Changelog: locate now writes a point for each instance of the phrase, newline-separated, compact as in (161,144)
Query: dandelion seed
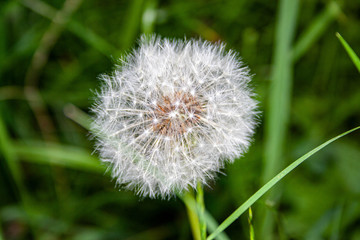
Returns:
(173,114)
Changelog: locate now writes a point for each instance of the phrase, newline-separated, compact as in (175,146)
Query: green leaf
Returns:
(278,105)
(237,213)
(133,21)
(315,30)
(349,50)
(278,109)
(58,154)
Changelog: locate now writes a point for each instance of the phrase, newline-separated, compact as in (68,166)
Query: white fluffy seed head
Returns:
(172,114)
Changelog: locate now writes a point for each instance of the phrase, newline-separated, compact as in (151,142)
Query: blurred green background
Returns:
(51,53)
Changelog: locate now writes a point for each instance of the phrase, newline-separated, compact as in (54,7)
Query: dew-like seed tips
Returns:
(172,114)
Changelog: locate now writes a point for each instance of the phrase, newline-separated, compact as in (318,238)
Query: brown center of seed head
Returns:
(176,114)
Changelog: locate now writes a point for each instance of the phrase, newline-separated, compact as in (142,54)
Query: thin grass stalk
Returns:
(132,24)
(278,110)
(265,188)
(315,30)
(251,227)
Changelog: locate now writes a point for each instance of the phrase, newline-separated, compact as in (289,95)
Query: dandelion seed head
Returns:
(172,114)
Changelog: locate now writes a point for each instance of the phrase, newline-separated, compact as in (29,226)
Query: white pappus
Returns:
(172,113)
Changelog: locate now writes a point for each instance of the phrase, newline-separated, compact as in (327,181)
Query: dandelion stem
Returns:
(201,210)
(188,199)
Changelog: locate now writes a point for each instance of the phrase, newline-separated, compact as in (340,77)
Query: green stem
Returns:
(251,228)
(201,210)
(188,199)
(211,223)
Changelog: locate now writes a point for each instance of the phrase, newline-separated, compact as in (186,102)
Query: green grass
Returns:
(315,30)
(247,204)
(277,113)
(53,184)
(354,58)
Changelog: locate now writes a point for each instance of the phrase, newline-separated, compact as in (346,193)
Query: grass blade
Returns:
(212,225)
(251,228)
(278,109)
(280,93)
(315,30)
(58,154)
(349,50)
(78,116)
(237,213)
(133,22)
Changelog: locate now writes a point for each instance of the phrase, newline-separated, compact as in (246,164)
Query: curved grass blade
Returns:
(349,50)
(212,225)
(237,213)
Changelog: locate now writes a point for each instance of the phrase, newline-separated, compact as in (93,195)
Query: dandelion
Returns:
(172,114)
